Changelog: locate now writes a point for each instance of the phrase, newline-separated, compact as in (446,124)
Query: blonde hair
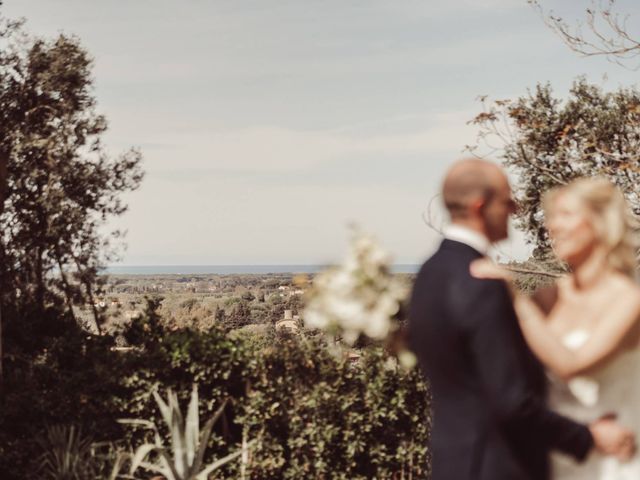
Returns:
(611,217)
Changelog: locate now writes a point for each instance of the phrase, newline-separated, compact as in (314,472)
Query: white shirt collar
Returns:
(465,235)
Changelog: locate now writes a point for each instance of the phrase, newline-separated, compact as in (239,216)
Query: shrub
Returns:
(323,417)
(315,415)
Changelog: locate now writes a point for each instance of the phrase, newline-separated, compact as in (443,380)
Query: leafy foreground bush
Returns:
(328,419)
(313,415)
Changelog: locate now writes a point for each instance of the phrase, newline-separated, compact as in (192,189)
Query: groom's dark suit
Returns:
(490,421)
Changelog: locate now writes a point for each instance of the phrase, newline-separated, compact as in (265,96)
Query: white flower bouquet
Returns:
(359,297)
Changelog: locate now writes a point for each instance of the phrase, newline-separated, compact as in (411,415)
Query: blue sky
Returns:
(267,126)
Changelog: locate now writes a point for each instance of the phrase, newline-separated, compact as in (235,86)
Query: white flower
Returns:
(360,296)
(348,312)
(342,281)
(363,243)
(377,326)
(313,318)
(350,336)
(379,257)
(388,304)
(407,359)
(351,264)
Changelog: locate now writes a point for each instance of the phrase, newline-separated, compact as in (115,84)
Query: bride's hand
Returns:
(486,268)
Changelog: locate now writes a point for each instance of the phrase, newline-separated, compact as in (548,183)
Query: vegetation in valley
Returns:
(312,414)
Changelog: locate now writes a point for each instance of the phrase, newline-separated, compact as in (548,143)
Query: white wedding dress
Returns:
(612,388)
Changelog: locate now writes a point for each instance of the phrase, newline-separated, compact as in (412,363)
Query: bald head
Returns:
(469,180)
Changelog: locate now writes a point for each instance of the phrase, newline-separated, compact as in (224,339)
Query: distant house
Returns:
(288,323)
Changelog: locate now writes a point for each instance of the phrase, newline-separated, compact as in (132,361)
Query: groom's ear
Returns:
(477,205)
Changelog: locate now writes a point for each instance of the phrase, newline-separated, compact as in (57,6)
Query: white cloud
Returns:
(271,148)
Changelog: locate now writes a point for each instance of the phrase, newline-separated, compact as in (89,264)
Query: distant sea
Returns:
(228,269)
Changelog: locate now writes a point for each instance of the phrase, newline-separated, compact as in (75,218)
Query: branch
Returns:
(545,170)
(609,31)
(427,215)
(4,177)
(533,272)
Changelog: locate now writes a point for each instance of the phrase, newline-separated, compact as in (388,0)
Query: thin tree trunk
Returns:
(39,279)
(1,362)
(96,315)
(67,288)
(92,300)
(4,164)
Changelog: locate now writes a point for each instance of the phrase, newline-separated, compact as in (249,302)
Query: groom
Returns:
(490,421)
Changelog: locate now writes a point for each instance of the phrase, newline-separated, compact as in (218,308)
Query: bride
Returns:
(585,328)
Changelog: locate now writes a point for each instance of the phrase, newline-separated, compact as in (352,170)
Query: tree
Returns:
(604,32)
(219,315)
(248,296)
(7,30)
(548,142)
(240,316)
(61,186)
(277,309)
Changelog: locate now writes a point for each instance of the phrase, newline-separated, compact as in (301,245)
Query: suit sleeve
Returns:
(496,344)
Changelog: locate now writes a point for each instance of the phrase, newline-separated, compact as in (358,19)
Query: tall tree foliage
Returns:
(548,142)
(61,185)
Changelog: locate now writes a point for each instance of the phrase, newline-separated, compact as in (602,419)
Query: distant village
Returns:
(204,284)
(200,301)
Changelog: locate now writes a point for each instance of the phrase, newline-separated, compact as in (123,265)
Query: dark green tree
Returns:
(277,308)
(219,315)
(6,29)
(547,141)
(240,316)
(248,296)
(60,186)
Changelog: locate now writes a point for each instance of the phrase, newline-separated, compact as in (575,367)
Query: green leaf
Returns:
(192,430)
(141,453)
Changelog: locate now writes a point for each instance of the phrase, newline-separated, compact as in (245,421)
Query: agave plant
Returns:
(184,459)
(67,454)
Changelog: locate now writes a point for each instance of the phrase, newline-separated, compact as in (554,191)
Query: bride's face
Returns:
(571,229)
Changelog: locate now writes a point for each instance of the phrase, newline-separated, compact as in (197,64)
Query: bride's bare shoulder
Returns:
(626,286)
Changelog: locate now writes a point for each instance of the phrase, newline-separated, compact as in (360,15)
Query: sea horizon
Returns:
(231,269)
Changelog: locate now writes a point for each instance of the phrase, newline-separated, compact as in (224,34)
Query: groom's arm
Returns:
(497,347)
